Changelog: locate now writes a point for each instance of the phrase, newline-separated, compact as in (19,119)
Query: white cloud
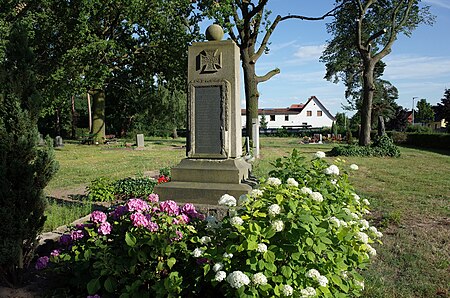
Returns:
(312,52)
(441,3)
(400,67)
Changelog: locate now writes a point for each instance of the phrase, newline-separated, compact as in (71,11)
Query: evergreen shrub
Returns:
(25,170)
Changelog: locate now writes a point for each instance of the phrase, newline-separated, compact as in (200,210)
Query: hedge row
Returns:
(425,140)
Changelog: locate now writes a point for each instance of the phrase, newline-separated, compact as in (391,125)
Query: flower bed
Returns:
(301,234)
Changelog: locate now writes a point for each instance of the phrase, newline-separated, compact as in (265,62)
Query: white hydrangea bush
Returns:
(300,234)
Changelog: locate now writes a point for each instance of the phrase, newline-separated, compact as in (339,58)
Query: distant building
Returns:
(312,114)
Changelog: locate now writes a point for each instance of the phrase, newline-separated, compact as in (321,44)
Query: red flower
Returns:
(163,179)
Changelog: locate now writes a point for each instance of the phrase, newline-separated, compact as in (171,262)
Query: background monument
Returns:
(214,164)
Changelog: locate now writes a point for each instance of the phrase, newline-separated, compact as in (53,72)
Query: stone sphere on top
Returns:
(214,33)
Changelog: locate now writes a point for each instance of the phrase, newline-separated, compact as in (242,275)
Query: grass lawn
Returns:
(410,200)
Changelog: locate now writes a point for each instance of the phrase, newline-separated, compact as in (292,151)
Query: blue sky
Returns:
(418,66)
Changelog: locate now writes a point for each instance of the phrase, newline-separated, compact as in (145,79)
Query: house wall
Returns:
(297,119)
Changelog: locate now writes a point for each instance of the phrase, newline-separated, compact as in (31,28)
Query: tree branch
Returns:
(267,76)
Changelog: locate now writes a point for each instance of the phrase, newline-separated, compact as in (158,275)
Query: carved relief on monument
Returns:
(209,61)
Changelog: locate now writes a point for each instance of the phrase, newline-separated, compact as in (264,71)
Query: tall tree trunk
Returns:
(366,108)
(98,123)
(381,127)
(89,111)
(74,117)
(251,92)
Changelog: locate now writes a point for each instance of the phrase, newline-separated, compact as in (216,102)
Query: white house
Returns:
(312,114)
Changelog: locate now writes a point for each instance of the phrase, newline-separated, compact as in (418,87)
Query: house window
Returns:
(319,113)
(272,117)
(308,113)
(286,117)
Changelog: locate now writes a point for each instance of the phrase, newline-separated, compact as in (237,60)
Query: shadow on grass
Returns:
(438,151)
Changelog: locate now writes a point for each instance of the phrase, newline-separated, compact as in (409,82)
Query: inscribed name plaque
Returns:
(208,120)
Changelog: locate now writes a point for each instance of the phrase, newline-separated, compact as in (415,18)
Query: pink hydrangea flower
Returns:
(179,236)
(137,205)
(76,235)
(170,207)
(98,217)
(41,263)
(104,228)
(153,198)
(152,226)
(55,253)
(184,218)
(139,219)
(188,209)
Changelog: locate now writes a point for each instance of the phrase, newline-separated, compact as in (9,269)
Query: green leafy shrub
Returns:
(399,137)
(101,190)
(134,187)
(300,237)
(382,146)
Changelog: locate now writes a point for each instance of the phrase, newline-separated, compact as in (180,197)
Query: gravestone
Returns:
(214,165)
(59,141)
(140,140)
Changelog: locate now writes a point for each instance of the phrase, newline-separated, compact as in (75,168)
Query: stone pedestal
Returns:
(214,166)
(202,181)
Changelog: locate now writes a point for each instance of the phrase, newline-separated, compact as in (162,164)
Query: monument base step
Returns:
(199,192)
(229,171)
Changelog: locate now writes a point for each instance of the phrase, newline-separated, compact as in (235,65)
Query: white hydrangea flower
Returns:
(335,221)
(205,239)
(317,196)
(220,276)
(354,215)
(344,274)
(359,284)
(332,170)
(259,279)
(237,279)
(364,224)
(227,255)
(323,281)
(278,225)
(347,211)
(357,198)
(227,200)
(313,273)
(308,292)
(256,193)
(274,210)
(354,167)
(292,182)
(333,181)
(262,248)
(366,202)
(236,221)
(306,190)
(352,223)
(319,154)
(273,181)
(365,211)
(343,223)
(197,253)
(377,233)
(287,290)
(217,267)
(361,236)
(371,251)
